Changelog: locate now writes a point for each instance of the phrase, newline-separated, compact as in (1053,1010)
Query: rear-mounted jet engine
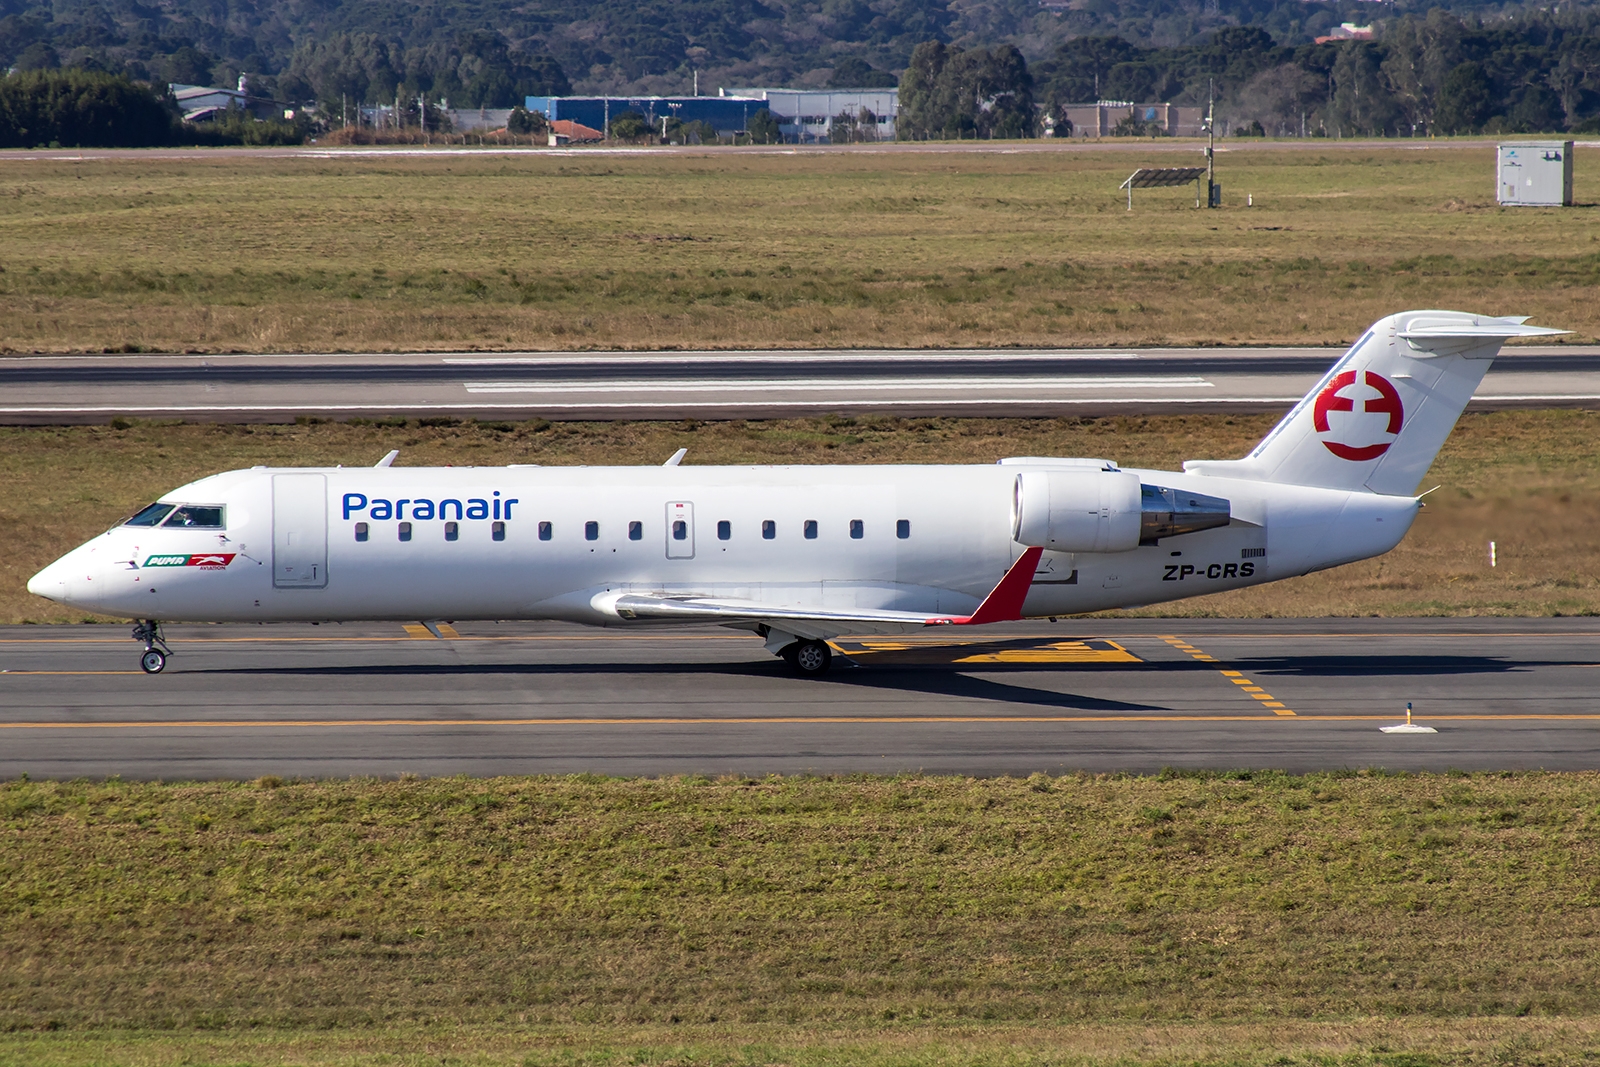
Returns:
(1105,511)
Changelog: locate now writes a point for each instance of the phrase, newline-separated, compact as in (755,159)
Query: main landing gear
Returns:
(154,659)
(809,658)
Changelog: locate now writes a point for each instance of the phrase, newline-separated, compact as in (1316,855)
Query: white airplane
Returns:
(800,554)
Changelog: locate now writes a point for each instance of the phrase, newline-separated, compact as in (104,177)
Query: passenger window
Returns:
(902,529)
(724,529)
(452,531)
(544,531)
(858,529)
(198,518)
(811,529)
(361,531)
(405,531)
(680,530)
(150,516)
(591,531)
(498,531)
(636,531)
(769,529)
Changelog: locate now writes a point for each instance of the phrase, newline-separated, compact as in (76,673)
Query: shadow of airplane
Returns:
(944,683)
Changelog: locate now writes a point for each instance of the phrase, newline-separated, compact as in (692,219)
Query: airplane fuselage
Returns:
(331,544)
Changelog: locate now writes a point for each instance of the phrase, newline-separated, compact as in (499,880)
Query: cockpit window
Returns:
(150,516)
(196,517)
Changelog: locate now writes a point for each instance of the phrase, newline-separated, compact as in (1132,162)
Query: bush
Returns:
(82,109)
(240,127)
(764,128)
(629,126)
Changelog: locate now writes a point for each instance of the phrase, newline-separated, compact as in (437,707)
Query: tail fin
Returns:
(1376,420)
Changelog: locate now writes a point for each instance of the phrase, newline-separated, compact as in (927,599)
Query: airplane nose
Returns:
(50,582)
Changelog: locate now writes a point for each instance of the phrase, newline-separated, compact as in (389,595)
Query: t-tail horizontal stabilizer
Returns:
(1381,413)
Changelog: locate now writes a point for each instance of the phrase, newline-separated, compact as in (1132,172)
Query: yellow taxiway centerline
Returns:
(1255,691)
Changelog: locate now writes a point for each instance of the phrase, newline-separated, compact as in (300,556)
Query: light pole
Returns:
(1211,143)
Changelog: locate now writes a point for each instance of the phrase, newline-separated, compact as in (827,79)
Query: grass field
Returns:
(731,249)
(1528,480)
(1344,919)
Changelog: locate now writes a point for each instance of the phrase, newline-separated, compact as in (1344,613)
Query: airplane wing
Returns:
(1003,604)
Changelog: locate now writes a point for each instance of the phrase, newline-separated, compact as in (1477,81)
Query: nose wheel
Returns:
(154,659)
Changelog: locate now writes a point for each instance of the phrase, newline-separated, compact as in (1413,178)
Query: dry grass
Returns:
(1524,479)
(1346,918)
(729,249)
(1380,1042)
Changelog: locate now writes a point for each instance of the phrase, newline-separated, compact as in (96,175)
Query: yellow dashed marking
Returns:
(422,633)
(1058,652)
(1237,678)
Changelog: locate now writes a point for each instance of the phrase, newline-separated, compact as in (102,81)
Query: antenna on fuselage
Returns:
(677,458)
(388,461)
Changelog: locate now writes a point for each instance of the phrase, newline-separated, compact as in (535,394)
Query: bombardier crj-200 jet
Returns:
(801,554)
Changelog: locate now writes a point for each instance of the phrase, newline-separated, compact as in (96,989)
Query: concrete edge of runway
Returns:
(716,411)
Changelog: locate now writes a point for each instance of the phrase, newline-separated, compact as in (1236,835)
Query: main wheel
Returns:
(154,661)
(810,658)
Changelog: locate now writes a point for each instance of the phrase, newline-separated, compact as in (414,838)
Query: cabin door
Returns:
(300,531)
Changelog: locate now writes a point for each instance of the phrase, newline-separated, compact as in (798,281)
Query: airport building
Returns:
(814,116)
(804,116)
(726,115)
(1099,119)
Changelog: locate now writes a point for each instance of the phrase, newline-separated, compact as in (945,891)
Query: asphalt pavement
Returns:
(1096,695)
(656,385)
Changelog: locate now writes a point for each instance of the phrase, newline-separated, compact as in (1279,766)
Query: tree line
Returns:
(1421,76)
(93,109)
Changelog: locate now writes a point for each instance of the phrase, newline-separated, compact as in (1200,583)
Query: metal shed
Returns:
(1534,173)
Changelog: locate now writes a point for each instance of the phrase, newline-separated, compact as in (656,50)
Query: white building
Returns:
(475,119)
(200,102)
(810,116)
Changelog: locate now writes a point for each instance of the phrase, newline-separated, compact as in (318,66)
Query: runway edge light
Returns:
(1407,727)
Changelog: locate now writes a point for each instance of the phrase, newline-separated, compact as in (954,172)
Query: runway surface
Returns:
(1135,146)
(656,385)
(1099,695)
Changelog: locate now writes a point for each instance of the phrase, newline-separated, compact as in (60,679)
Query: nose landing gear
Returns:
(154,660)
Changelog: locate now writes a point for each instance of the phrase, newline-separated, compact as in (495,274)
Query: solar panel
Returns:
(1155,177)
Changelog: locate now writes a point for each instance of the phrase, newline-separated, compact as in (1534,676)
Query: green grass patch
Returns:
(733,249)
(1194,918)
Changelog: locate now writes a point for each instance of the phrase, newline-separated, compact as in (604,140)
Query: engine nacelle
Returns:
(1106,511)
(1077,510)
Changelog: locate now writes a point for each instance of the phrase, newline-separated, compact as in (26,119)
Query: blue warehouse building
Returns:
(725,114)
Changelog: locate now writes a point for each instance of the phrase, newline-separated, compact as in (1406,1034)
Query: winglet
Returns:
(1004,602)
(677,458)
(388,460)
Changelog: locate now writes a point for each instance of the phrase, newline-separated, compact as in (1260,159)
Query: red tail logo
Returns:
(1387,402)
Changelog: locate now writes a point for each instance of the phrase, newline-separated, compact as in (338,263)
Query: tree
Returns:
(855,73)
(189,66)
(81,109)
(764,128)
(38,56)
(1075,73)
(951,92)
(629,126)
(1282,100)
(522,121)
(1362,103)
(1464,100)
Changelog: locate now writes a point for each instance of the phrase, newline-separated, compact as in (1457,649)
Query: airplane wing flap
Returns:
(1003,604)
(689,608)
